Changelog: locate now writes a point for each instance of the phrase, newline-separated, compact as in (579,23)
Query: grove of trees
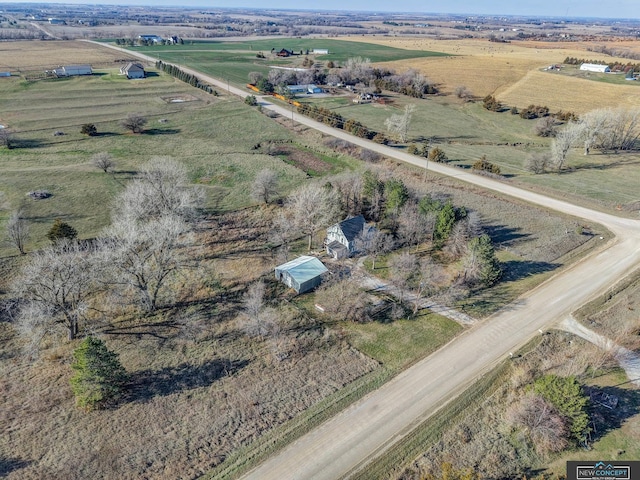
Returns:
(62,286)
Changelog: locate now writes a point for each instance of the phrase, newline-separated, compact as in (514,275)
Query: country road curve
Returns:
(349,440)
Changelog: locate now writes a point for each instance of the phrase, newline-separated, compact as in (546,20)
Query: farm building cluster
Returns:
(305,273)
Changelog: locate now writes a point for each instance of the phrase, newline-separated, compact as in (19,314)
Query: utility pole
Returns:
(426,158)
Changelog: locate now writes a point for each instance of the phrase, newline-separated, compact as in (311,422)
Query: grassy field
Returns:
(233,61)
(44,55)
(467,131)
(339,50)
(214,136)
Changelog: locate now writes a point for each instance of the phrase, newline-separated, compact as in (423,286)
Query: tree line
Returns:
(189,78)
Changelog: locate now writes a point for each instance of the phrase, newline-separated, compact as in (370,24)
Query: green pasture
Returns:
(339,50)
(233,61)
(214,136)
(466,132)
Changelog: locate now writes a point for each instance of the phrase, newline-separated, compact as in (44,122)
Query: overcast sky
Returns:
(557,8)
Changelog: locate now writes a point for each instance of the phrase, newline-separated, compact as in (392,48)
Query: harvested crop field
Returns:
(45,55)
(512,72)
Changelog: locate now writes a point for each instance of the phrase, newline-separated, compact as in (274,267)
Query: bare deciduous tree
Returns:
(258,320)
(546,127)
(402,267)
(344,300)
(134,122)
(399,124)
(565,139)
(265,186)
(144,256)
(162,188)
(313,207)
(546,427)
(283,232)
(57,285)
(255,77)
(610,129)
(373,242)
(413,226)
(349,187)
(429,276)
(6,138)
(254,299)
(18,231)
(463,93)
(456,244)
(104,161)
(537,162)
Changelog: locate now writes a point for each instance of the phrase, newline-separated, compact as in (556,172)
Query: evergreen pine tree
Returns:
(99,376)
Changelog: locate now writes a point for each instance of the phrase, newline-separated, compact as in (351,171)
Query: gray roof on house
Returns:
(352,227)
(303,268)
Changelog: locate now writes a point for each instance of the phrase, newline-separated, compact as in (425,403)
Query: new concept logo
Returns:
(603,470)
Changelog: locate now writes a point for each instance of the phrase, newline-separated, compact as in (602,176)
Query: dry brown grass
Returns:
(43,55)
(561,92)
(200,388)
(512,71)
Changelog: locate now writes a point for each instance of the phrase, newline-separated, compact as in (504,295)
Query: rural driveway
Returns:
(346,442)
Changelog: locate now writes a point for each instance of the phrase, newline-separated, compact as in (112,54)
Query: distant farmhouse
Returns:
(57,21)
(594,67)
(132,70)
(311,88)
(284,53)
(151,38)
(320,51)
(73,70)
(302,274)
(341,237)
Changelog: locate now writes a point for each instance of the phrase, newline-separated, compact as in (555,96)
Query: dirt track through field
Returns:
(348,441)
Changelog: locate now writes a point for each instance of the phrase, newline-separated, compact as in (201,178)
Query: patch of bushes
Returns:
(484,165)
(438,155)
(534,111)
(490,103)
(89,129)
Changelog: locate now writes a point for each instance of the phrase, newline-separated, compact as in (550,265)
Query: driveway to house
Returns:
(349,440)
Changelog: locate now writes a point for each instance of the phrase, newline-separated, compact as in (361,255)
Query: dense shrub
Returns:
(438,155)
(491,104)
(61,230)
(89,129)
(485,166)
(565,393)
(534,111)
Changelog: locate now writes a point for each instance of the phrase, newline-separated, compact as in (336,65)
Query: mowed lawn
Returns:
(214,136)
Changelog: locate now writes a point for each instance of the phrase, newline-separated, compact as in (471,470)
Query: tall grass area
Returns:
(394,345)
(215,137)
